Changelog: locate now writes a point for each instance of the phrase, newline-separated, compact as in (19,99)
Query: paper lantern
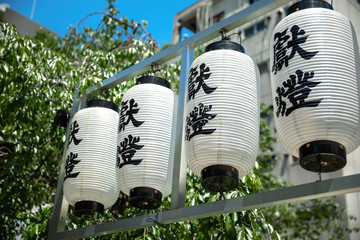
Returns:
(145,142)
(222,115)
(90,182)
(315,85)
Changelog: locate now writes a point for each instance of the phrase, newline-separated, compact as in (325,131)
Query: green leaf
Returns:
(235,217)
(276,235)
(249,232)
(241,234)
(228,223)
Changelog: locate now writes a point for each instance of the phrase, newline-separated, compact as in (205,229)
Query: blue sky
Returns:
(58,15)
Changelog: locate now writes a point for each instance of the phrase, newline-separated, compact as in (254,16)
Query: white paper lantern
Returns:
(315,84)
(222,115)
(90,174)
(146,143)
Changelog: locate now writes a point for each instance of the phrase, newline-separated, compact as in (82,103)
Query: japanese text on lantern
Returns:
(282,44)
(70,164)
(297,88)
(200,116)
(197,81)
(71,159)
(127,150)
(297,91)
(129,146)
(127,111)
(197,119)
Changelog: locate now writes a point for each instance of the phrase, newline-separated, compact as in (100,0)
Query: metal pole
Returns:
(60,209)
(179,174)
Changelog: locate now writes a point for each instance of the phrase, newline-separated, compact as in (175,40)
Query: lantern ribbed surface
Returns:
(330,99)
(232,112)
(96,127)
(152,159)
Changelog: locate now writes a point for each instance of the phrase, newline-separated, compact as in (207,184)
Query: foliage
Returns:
(38,76)
(33,85)
(316,219)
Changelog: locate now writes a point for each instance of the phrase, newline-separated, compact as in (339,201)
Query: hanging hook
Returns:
(221,194)
(223,35)
(154,220)
(103,92)
(153,70)
(320,166)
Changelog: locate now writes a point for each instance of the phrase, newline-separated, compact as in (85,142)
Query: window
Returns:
(263,67)
(249,31)
(219,17)
(253,1)
(254,29)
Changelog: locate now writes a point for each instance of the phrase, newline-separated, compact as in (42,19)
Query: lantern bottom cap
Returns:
(322,156)
(87,208)
(145,198)
(219,178)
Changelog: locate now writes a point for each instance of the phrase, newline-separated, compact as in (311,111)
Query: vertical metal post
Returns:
(179,174)
(61,206)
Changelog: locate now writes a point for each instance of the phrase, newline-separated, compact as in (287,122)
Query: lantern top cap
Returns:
(225,44)
(102,103)
(153,79)
(308,4)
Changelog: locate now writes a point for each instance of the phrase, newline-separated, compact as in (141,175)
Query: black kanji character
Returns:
(127,150)
(280,103)
(197,119)
(127,114)
(199,80)
(280,51)
(70,164)
(297,92)
(296,41)
(282,44)
(74,128)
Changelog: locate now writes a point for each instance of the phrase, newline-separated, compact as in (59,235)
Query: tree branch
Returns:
(89,15)
(4,153)
(126,43)
(267,227)
(192,230)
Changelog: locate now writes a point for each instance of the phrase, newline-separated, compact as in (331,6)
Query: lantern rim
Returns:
(219,178)
(322,156)
(225,45)
(153,79)
(62,118)
(145,198)
(304,4)
(87,208)
(102,103)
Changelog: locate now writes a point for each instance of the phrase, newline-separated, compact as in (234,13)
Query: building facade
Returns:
(255,38)
(23,24)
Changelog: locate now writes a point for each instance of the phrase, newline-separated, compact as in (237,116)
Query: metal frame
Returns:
(294,194)
(178,210)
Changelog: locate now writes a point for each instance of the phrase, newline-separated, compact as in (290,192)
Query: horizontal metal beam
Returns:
(327,188)
(248,14)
